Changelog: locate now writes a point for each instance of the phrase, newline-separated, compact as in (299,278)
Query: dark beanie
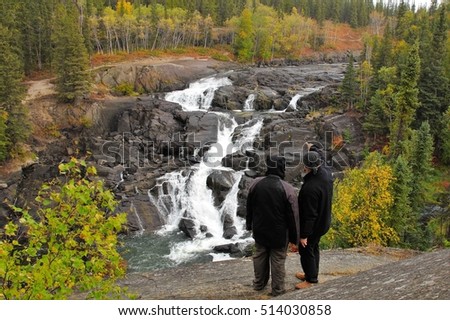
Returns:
(276,165)
(312,160)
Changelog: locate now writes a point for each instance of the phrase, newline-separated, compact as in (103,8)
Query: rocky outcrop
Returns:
(157,75)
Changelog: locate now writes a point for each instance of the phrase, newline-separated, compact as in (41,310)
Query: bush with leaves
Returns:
(362,206)
(70,247)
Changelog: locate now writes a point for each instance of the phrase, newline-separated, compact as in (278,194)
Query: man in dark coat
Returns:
(272,215)
(314,202)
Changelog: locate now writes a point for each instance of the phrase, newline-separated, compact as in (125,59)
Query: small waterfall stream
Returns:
(248,105)
(301,94)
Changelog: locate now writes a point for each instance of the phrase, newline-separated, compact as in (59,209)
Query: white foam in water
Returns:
(220,256)
(199,95)
(301,94)
(248,105)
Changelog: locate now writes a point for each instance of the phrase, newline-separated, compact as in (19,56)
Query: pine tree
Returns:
(36,32)
(349,87)
(402,218)
(402,23)
(406,100)
(434,89)
(70,56)
(445,134)
(380,113)
(420,156)
(13,118)
(4,141)
(383,54)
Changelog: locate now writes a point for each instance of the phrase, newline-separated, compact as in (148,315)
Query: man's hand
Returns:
(304,242)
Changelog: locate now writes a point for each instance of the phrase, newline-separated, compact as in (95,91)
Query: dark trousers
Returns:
(310,258)
(265,260)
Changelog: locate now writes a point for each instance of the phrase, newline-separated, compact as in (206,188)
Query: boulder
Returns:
(227,248)
(188,227)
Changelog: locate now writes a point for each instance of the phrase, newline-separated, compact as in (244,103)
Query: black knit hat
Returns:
(312,160)
(276,165)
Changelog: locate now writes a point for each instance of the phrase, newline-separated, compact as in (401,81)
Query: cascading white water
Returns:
(199,95)
(301,94)
(248,134)
(185,194)
(141,228)
(248,104)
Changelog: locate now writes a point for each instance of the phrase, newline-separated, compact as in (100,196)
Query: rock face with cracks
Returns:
(361,273)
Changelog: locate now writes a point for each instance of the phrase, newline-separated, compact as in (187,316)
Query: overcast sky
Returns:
(421,2)
(417,2)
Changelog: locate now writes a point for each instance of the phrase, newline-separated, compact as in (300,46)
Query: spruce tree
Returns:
(382,104)
(406,100)
(70,56)
(402,26)
(420,156)
(434,92)
(4,141)
(445,136)
(36,34)
(349,87)
(403,219)
(13,127)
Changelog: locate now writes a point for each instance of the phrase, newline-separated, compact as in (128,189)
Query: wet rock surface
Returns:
(382,273)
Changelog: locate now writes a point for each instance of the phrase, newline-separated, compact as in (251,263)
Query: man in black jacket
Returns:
(314,202)
(272,215)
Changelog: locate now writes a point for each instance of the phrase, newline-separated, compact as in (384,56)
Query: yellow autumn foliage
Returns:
(362,205)
(124,7)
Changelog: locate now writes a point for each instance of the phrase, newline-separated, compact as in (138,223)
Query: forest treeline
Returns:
(60,36)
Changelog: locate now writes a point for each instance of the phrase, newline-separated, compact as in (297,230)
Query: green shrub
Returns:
(70,247)
(125,89)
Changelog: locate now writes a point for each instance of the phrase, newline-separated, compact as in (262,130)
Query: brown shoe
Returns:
(300,276)
(303,285)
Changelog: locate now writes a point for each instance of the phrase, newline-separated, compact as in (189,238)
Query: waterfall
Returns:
(141,229)
(248,105)
(293,102)
(186,195)
(248,134)
(121,180)
(301,94)
(199,95)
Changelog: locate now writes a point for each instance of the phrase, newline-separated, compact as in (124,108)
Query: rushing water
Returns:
(199,95)
(185,194)
(248,105)
(301,94)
